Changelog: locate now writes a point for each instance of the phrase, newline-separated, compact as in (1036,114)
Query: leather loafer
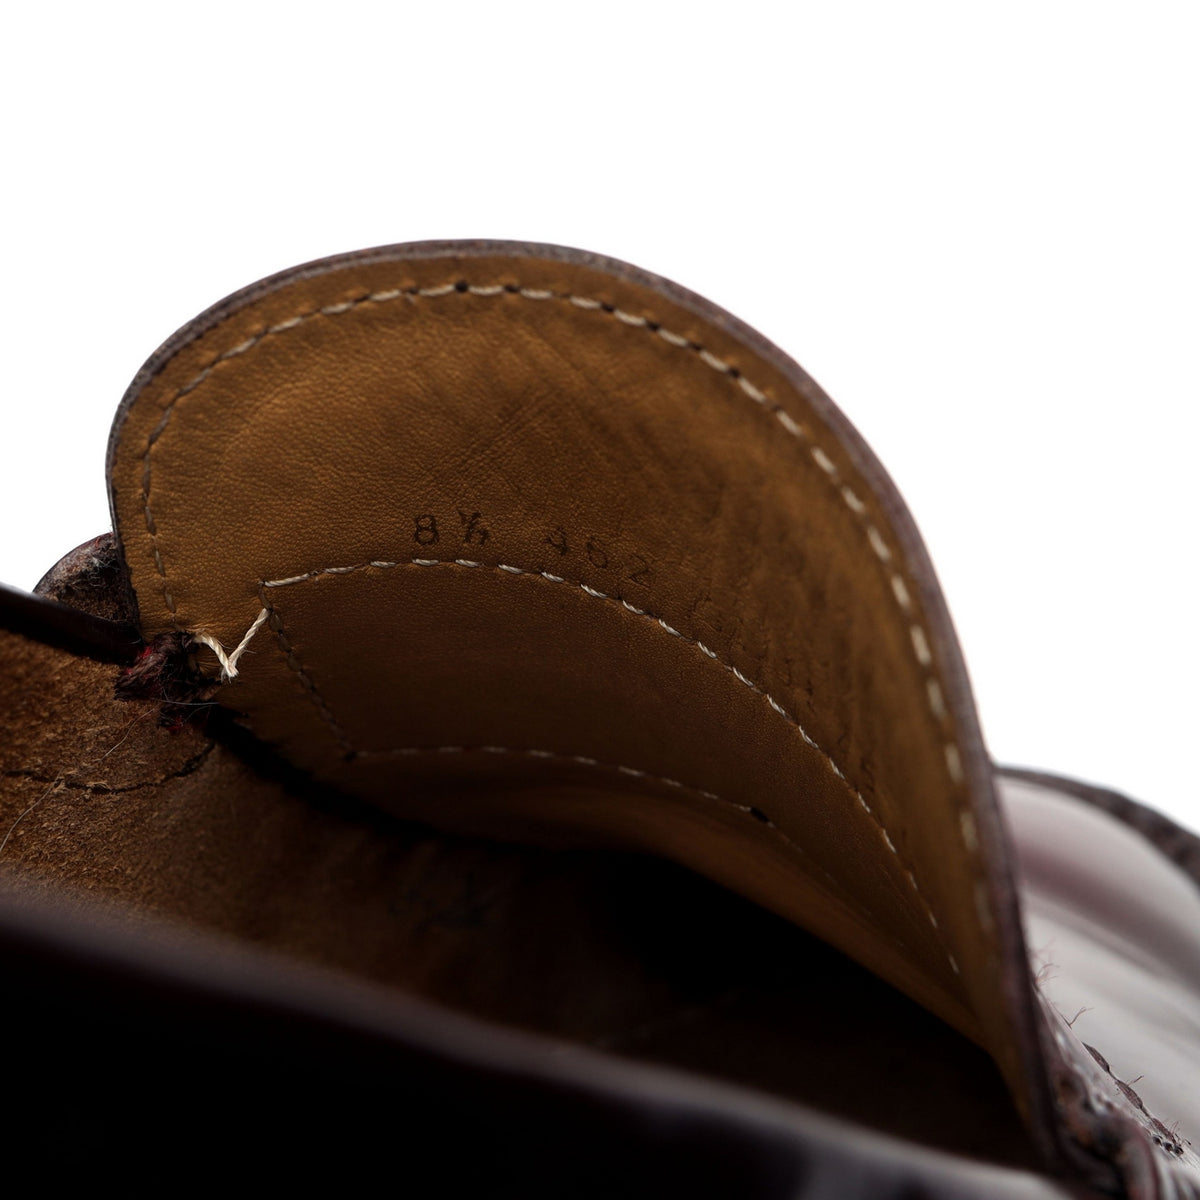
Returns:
(513,732)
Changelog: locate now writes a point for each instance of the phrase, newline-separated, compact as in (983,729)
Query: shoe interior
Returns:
(201,829)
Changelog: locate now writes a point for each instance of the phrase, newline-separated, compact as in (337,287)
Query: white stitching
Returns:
(969,829)
(633,772)
(509,569)
(853,502)
(824,462)
(920,645)
(306,680)
(240,349)
(983,906)
(954,766)
(882,551)
(229,661)
(760,398)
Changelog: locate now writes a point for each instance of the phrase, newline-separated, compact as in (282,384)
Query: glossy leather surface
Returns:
(1114,933)
(153,1061)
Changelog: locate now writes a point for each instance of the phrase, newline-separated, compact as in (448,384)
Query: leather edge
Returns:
(1121,1140)
(45,620)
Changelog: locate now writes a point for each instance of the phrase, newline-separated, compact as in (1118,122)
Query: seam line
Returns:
(508,569)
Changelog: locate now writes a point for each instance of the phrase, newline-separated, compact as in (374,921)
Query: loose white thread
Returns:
(229,661)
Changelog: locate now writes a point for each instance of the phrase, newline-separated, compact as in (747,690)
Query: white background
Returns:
(974,224)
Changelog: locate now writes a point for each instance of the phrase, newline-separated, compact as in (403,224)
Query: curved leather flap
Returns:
(518,540)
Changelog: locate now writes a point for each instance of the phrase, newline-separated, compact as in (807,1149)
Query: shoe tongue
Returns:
(522,542)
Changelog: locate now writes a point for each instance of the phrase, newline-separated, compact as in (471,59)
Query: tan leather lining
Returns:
(717,596)
(176,833)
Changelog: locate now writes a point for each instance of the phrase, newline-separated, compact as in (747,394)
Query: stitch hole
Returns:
(462,286)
